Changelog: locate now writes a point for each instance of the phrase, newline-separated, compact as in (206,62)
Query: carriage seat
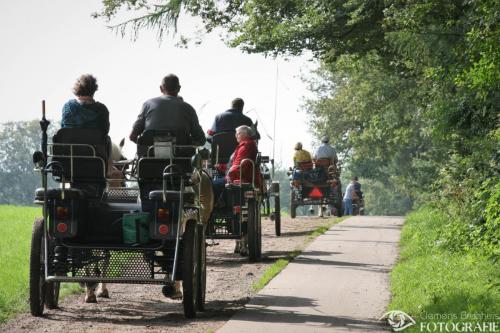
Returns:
(304,166)
(56,193)
(323,162)
(223,146)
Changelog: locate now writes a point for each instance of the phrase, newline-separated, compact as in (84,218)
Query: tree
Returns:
(18,141)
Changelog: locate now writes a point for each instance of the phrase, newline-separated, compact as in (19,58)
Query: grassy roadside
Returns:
(280,264)
(15,240)
(434,285)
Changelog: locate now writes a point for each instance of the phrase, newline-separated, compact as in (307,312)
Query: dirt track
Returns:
(139,308)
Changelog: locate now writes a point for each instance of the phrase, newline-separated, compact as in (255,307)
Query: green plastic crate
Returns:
(135,228)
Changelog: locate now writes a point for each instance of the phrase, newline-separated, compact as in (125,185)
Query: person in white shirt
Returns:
(349,191)
(325,151)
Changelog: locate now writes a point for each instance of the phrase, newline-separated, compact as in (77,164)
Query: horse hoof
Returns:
(90,299)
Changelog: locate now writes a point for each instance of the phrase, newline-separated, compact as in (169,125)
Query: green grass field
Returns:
(433,285)
(15,239)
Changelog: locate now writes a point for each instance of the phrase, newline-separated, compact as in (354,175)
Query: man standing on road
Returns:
(230,119)
(325,151)
(348,198)
(169,112)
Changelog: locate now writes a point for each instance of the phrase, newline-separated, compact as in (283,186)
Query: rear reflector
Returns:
(315,193)
(163,229)
(62,227)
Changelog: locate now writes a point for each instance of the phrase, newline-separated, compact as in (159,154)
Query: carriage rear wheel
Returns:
(190,269)
(202,268)
(253,231)
(37,275)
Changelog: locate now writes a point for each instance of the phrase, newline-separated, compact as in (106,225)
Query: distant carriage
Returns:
(316,184)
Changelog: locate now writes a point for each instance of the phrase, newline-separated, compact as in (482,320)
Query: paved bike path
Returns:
(340,283)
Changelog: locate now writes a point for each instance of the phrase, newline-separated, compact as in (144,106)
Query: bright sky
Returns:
(47,44)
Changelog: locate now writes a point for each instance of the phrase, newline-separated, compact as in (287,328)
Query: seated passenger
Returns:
(169,112)
(325,151)
(230,119)
(246,149)
(84,111)
(302,158)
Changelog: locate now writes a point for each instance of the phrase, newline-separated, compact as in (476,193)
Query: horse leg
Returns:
(102,290)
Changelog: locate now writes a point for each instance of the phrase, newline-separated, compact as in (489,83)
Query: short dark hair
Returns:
(170,83)
(85,85)
(237,104)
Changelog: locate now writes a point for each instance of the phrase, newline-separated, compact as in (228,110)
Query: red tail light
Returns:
(62,213)
(237,209)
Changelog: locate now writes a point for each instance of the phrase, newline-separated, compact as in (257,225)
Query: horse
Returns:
(115,179)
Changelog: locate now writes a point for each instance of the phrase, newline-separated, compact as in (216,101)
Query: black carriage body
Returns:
(85,229)
(318,186)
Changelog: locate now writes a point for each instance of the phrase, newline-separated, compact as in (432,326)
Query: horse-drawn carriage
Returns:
(237,210)
(150,232)
(316,184)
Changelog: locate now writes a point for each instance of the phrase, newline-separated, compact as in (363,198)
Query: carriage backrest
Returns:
(223,145)
(83,155)
(157,149)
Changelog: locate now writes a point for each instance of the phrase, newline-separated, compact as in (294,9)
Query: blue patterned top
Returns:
(91,115)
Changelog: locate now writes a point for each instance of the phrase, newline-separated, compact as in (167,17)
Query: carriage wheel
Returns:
(277,215)
(339,207)
(37,274)
(190,268)
(253,231)
(52,288)
(52,295)
(293,207)
(259,235)
(202,268)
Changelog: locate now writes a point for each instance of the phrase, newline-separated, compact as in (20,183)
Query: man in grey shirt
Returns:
(325,151)
(169,112)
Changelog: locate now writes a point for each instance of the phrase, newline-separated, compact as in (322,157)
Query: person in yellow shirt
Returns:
(301,155)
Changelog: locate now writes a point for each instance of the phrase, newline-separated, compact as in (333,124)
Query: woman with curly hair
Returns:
(84,111)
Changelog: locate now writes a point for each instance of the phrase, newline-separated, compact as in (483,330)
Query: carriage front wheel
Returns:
(37,275)
(202,268)
(190,268)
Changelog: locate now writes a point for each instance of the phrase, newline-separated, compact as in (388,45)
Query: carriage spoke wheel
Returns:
(190,269)
(253,230)
(202,269)
(37,274)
